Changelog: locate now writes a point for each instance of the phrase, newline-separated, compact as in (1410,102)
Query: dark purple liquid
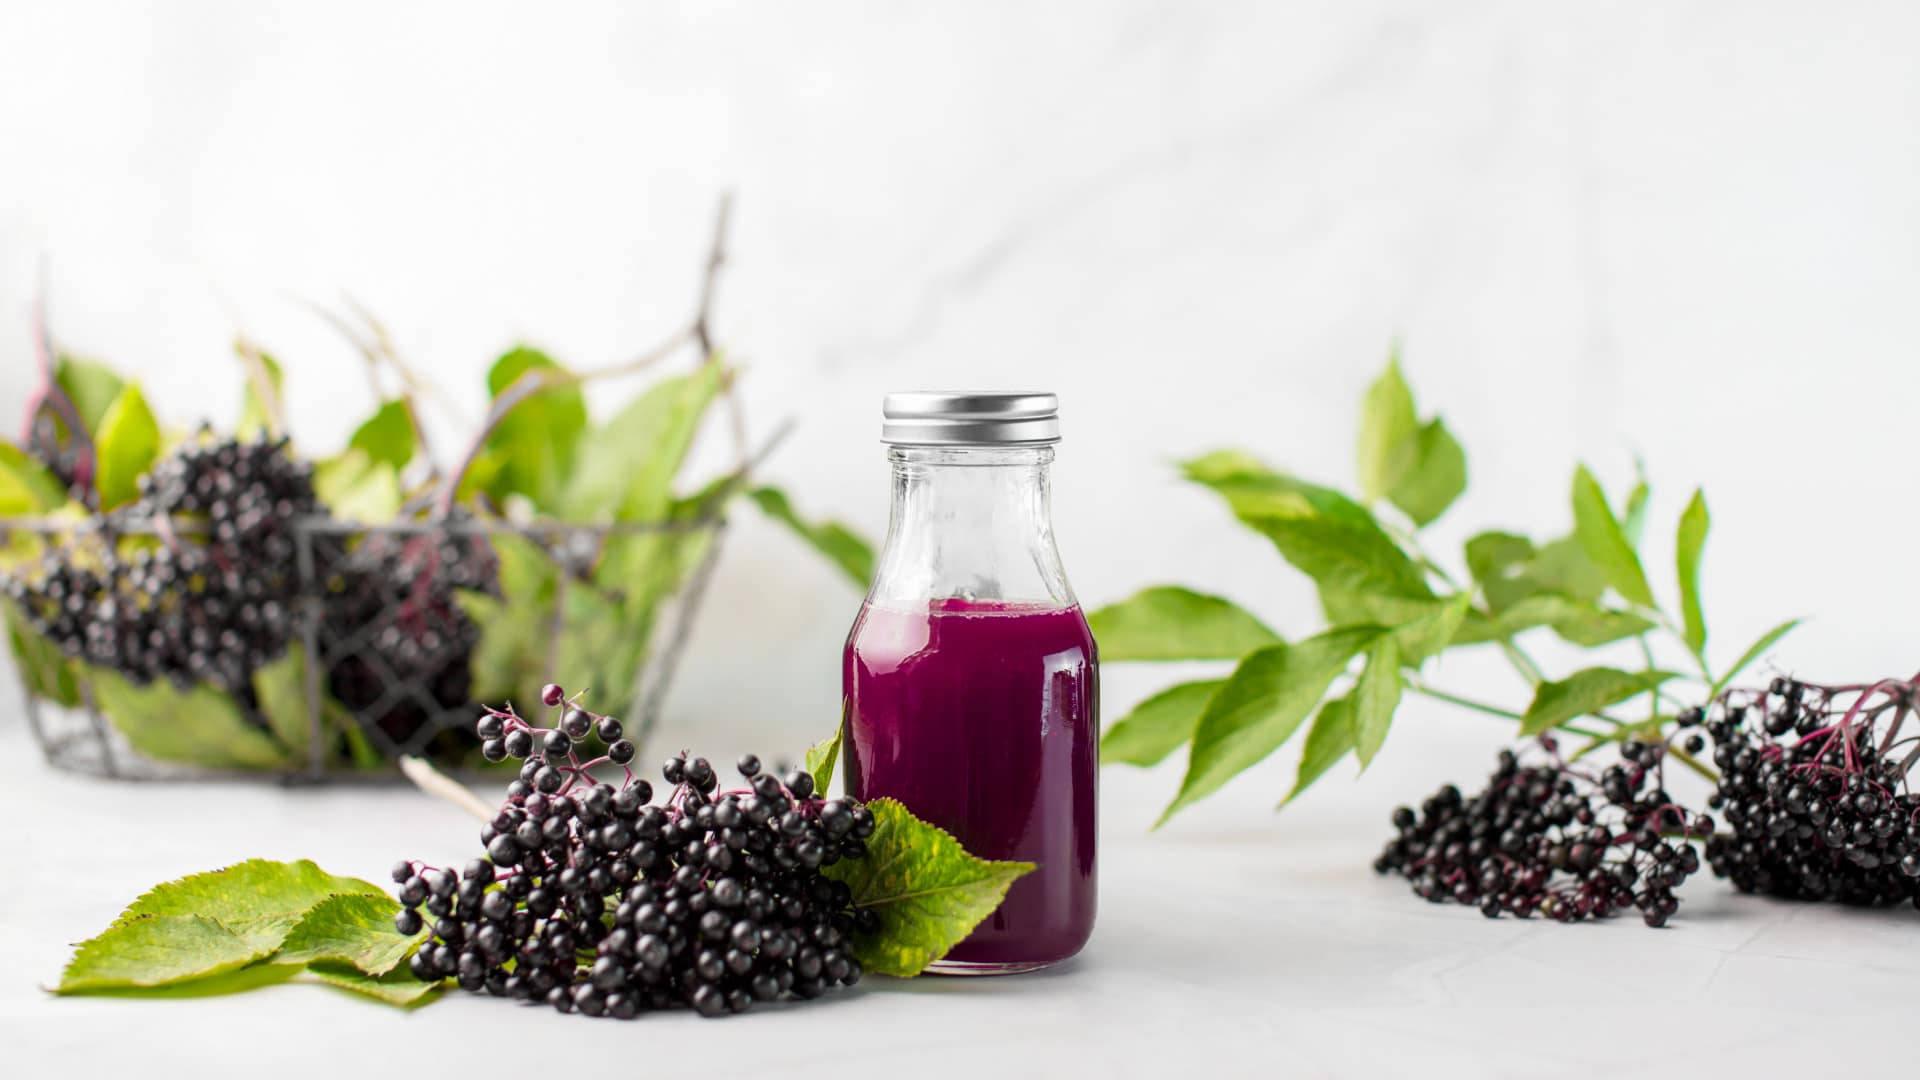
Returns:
(982,719)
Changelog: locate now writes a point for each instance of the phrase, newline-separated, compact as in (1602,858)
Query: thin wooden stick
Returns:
(441,786)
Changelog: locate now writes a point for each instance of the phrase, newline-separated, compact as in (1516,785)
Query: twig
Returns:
(410,383)
(702,330)
(441,786)
(50,394)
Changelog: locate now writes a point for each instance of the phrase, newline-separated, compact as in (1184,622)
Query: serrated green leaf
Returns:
(256,418)
(1375,697)
(1578,623)
(1633,515)
(1387,424)
(127,443)
(197,726)
(157,950)
(926,889)
(260,899)
(1419,639)
(842,546)
(355,929)
(387,436)
(1753,653)
(626,470)
(1167,622)
(1435,474)
(1694,523)
(26,487)
(822,757)
(1328,740)
(1263,703)
(396,987)
(1586,691)
(1328,536)
(1591,627)
(91,386)
(1159,725)
(535,448)
(1355,609)
(1604,542)
(1493,556)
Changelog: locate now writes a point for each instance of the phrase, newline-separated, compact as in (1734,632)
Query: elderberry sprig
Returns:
(593,900)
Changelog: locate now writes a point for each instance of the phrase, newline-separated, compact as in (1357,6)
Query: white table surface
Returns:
(1238,941)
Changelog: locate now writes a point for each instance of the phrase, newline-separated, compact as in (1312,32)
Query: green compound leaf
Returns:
(842,546)
(1586,691)
(1159,725)
(1375,698)
(1167,622)
(128,441)
(355,929)
(158,950)
(1328,740)
(927,890)
(1694,522)
(396,987)
(1387,424)
(1604,541)
(1434,476)
(1261,706)
(259,900)
(822,757)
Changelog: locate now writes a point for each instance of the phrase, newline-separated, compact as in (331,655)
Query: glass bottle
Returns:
(970,680)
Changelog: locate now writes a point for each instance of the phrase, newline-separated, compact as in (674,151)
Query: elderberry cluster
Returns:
(1813,782)
(211,598)
(1553,837)
(592,900)
(390,618)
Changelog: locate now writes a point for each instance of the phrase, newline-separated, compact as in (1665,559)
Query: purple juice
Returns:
(981,717)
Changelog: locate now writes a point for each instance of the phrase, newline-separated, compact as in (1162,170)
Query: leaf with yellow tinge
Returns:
(259,900)
(354,929)
(158,950)
(927,890)
(396,987)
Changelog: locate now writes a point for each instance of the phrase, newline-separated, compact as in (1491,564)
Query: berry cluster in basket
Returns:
(592,900)
(208,596)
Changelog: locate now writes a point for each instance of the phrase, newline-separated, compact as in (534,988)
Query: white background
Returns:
(1685,231)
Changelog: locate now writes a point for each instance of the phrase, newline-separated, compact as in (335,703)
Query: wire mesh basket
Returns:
(399,633)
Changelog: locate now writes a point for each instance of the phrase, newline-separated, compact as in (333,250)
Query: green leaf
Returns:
(157,950)
(1167,622)
(1753,653)
(1586,691)
(1387,423)
(26,487)
(92,388)
(356,487)
(1577,622)
(1692,539)
(1419,639)
(259,900)
(1562,566)
(255,416)
(841,545)
(355,929)
(396,987)
(1436,474)
(1633,517)
(1604,542)
(928,891)
(44,670)
(1328,740)
(511,660)
(128,441)
(1490,555)
(1375,697)
(281,689)
(197,726)
(1590,627)
(626,469)
(1326,535)
(822,757)
(535,448)
(1261,706)
(1159,725)
(387,436)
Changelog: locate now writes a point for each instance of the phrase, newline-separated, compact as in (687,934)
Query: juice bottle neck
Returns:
(972,523)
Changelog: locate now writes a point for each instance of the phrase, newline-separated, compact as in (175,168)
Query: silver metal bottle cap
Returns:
(934,418)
